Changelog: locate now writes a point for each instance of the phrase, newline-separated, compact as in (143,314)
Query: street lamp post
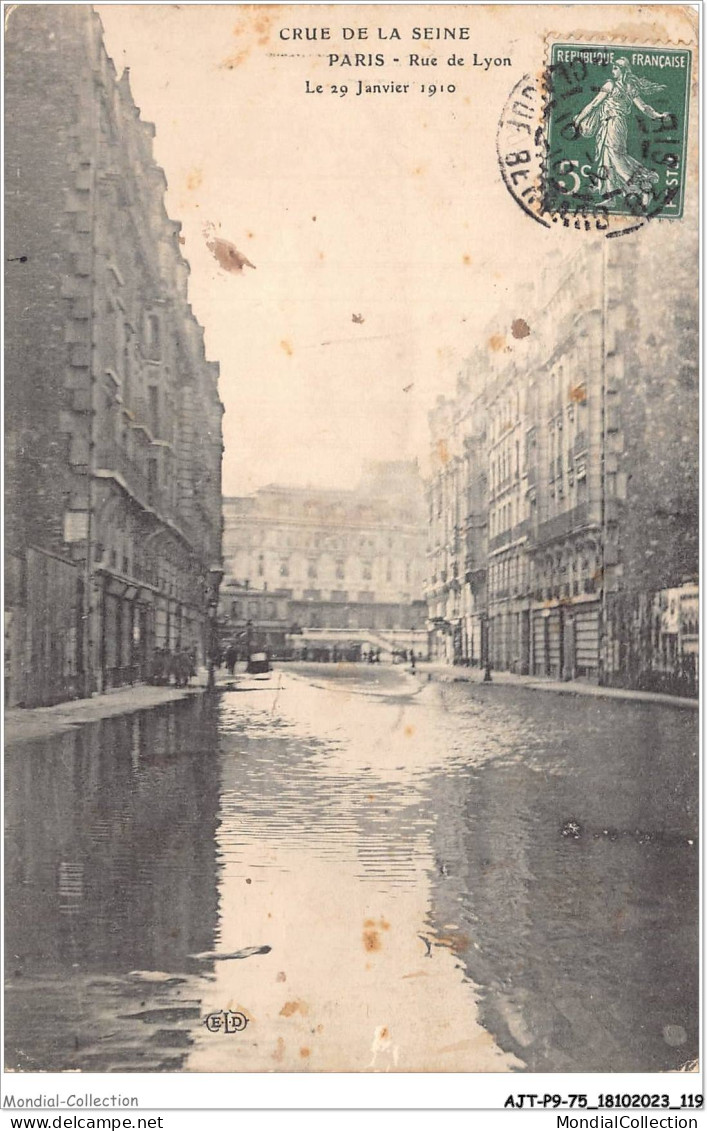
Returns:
(215,576)
(211,662)
(487,650)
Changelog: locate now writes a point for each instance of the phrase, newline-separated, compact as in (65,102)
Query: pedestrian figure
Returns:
(182,667)
(159,667)
(412,660)
(231,658)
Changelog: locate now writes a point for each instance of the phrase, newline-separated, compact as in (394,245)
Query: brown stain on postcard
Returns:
(443,451)
(371,939)
(226,254)
(252,30)
(371,933)
(292,1007)
(194,179)
(234,60)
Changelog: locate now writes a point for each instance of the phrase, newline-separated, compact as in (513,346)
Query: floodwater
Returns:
(417,876)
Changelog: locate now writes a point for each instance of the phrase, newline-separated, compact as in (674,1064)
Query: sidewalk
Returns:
(25,724)
(448,673)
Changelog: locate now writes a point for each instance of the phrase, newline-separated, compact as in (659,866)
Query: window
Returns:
(126,364)
(285,567)
(366,570)
(340,569)
(119,336)
(106,417)
(152,481)
(152,335)
(261,565)
(154,408)
(235,609)
(312,568)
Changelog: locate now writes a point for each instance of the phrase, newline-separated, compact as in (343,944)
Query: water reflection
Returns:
(448,878)
(110,871)
(572,872)
(324,845)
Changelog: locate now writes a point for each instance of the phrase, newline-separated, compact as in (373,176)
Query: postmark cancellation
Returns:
(598,140)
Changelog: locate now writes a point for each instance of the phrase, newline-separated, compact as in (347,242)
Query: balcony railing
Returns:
(111,456)
(520,530)
(499,540)
(573,519)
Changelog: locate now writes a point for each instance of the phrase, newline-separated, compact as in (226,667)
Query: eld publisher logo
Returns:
(226,1021)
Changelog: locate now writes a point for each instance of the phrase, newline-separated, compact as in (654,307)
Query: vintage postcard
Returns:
(351,545)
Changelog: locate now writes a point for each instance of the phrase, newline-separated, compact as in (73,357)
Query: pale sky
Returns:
(387,207)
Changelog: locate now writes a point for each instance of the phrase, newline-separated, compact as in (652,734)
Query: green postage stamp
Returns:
(616,121)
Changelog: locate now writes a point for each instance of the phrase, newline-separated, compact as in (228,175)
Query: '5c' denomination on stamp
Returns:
(616,129)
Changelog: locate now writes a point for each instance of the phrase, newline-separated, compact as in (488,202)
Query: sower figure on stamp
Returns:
(607,118)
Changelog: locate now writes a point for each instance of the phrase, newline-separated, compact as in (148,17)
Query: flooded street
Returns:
(449,877)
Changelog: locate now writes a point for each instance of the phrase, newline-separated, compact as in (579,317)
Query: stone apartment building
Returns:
(113,418)
(348,563)
(563,503)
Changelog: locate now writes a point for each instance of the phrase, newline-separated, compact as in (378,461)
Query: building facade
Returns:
(349,563)
(563,503)
(113,418)
(255,620)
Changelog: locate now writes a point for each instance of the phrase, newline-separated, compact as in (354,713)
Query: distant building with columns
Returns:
(348,563)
